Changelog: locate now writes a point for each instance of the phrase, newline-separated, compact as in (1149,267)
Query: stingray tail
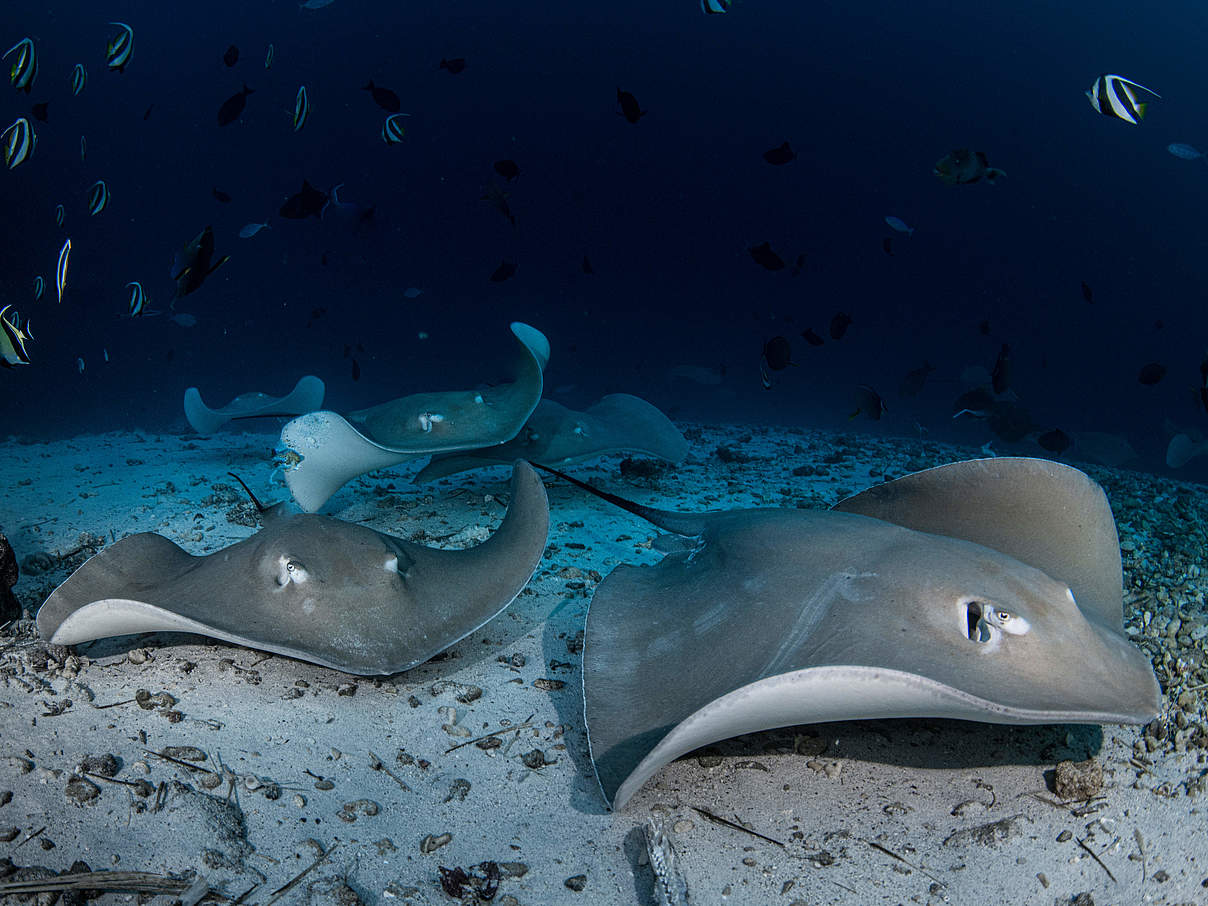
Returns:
(668,520)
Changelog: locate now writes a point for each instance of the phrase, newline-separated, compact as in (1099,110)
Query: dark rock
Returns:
(1078,779)
(10,609)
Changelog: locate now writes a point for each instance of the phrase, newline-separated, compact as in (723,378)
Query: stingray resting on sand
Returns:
(987,590)
(322,450)
(556,435)
(310,587)
(307,396)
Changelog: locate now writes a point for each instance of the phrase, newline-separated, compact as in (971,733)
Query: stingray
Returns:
(554,434)
(987,590)
(310,587)
(322,450)
(306,396)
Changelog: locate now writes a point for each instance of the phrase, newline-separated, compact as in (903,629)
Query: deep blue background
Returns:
(870,95)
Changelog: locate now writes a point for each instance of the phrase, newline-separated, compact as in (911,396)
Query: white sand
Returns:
(839,797)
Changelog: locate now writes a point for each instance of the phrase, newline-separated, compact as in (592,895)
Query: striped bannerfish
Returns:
(392,129)
(1113,95)
(19,142)
(39,287)
(61,270)
(12,342)
(268,58)
(25,68)
(138,298)
(60,213)
(83,149)
(712,7)
(301,108)
(120,48)
(79,78)
(98,197)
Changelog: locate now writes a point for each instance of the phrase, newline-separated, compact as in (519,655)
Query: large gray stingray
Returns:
(322,450)
(306,396)
(554,434)
(986,590)
(310,587)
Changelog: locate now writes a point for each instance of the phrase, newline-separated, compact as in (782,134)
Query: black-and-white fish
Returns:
(98,197)
(120,48)
(79,78)
(25,67)
(60,213)
(1114,95)
(39,287)
(61,269)
(19,142)
(83,149)
(268,57)
(713,7)
(301,107)
(392,129)
(139,300)
(12,342)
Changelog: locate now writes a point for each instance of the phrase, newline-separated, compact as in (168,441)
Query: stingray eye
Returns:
(290,570)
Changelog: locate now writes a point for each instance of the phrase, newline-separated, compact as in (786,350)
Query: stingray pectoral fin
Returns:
(307,396)
(201,418)
(1043,513)
(812,695)
(135,563)
(462,590)
(122,616)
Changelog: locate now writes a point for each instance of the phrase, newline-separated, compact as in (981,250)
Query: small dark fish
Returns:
(453,65)
(356,370)
(629,106)
(811,337)
(39,111)
(965,166)
(780,156)
(384,97)
(499,200)
(1000,377)
(1087,293)
(869,402)
(195,262)
(231,57)
(507,169)
(307,202)
(984,328)
(147,112)
(220,195)
(777,354)
(586,265)
(505,270)
(978,402)
(798,265)
(763,255)
(839,324)
(1151,373)
(887,245)
(315,314)
(912,384)
(1055,441)
(233,106)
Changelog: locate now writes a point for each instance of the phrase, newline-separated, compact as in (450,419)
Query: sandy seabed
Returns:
(170,755)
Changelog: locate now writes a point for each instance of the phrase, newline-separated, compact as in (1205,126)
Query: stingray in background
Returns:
(321,450)
(554,434)
(307,396)
(309,587)
(986,590)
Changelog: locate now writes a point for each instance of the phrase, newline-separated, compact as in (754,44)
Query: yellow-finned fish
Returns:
(61,270)
(12,342)
(139,300)
(25,67)
(19,142)
(39,287)
(98,197)
(301,108)
(268,58)
(1114,95)
(120,48)
(392,129)
(79,78)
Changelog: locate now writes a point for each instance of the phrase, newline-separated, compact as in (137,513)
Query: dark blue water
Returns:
(869,95)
